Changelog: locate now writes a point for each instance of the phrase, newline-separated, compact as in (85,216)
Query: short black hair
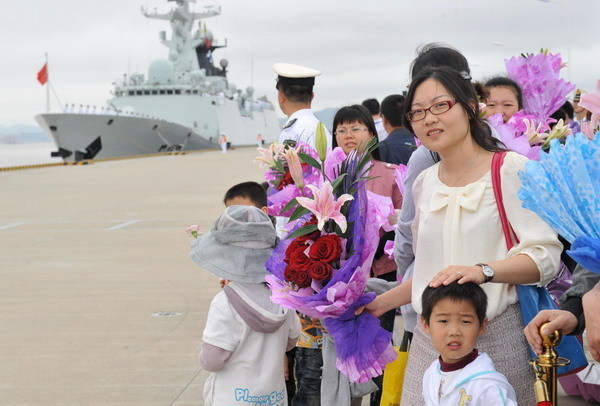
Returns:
(251,190)
(392,108)
(296,93)
(469,292)
(559,114)
(372,105)
(568,109)
(503,81)
(351,114)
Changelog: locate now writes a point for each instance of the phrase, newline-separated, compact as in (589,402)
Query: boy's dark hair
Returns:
(296,93)
(469,292)
(372,105)
(251,190)
(392,108)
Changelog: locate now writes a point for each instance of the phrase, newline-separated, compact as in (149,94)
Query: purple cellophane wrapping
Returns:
(400,175)
(362,346)
(509,134)
(544,91)
(361,353)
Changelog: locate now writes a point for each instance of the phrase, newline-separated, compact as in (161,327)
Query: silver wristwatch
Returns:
(488,272)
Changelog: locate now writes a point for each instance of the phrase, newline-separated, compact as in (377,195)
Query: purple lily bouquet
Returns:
(321,268)
(544,91)
(525,135)
(528,131)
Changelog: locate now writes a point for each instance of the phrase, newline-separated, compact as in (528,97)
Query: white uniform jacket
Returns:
(301,126)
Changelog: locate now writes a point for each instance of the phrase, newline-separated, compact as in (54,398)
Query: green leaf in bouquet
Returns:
(279,166)
(337,182)
(303,231)
(365,157)
(299,212)
(309,160)
(289,205)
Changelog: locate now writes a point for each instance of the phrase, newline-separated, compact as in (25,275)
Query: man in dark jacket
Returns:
(400,143)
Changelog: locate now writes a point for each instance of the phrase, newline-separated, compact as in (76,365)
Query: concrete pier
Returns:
(99,302)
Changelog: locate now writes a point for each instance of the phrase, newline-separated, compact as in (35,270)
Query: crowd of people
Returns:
(451,275)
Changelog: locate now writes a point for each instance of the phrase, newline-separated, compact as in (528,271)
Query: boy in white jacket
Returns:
(454,316)
(246,335)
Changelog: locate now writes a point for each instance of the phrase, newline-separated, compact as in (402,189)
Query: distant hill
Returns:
(22,134)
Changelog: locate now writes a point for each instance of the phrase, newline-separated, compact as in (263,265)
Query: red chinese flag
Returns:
(42,75)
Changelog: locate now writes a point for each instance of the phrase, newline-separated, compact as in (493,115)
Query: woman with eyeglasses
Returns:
(353,127)
(457,234)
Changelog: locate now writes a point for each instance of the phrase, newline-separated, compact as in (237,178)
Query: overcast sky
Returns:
(363,48)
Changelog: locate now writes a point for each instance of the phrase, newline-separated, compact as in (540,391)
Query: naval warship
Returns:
(185,102)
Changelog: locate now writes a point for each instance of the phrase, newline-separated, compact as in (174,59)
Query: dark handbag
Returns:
(533,299)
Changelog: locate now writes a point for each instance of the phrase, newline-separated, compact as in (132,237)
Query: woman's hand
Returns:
(460,273)
(591,305)
(376,308)
(561,320)
(392,299)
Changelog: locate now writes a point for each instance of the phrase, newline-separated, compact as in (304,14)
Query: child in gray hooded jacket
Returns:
(246,334)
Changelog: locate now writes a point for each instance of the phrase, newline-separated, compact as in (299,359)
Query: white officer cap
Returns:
(291,74)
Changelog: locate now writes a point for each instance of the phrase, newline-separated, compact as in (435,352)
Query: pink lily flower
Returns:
(268,156)
(294,165)
(194,230)
(534,134)
(591,101)
(324,206)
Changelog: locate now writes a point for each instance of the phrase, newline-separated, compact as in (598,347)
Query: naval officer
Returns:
(295,93)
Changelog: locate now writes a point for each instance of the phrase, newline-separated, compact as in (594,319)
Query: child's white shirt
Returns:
(477,384)
(253,374)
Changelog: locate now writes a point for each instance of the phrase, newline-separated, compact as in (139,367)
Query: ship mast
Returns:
(182,47)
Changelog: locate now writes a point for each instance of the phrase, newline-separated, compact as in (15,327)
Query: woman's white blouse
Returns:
(461,226)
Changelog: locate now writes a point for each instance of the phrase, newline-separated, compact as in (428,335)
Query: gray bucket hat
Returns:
(238,245)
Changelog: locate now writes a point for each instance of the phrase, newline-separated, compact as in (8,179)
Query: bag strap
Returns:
(509,233)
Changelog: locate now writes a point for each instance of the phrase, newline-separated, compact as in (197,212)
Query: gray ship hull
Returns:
(185,103)
(120,135)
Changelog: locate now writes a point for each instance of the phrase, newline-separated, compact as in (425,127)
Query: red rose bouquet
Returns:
(321,268)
